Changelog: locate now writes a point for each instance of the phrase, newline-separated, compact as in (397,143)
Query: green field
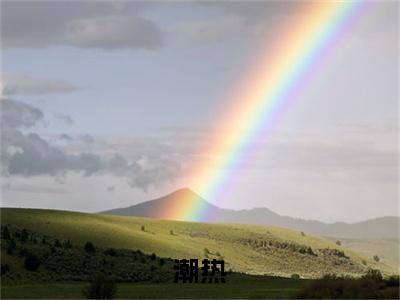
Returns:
(245,248)
(239,289)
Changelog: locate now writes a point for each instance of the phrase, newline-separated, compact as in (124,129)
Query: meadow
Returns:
(263,250)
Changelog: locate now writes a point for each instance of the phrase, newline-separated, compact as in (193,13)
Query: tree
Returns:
(5,234)
(57,243)
(89,248)
(31,262)
(67,244)
(100,287)
(376,258)
(142,228)
(24,235)
(12,245)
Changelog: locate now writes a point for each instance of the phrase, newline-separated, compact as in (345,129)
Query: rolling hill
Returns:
(252,249)
(383,227)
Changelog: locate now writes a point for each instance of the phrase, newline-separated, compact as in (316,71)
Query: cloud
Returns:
(64,118)
(19,115)
(26,85)
(28,154)
(353,153)
(33,189)
(87,138)
(65,137)
(99,25)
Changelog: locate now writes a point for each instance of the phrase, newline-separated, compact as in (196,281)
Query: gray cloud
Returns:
(65,137)
(29,154)
(64,118)
(98,25)
(26,85)
(363,152)
(33,189)
(87,138)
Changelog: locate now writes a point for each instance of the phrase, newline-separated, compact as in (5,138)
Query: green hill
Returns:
(245,248)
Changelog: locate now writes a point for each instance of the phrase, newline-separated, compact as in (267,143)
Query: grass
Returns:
(233,289)
(387,249)
(236,243)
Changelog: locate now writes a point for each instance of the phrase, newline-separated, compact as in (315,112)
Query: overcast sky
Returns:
(108,104)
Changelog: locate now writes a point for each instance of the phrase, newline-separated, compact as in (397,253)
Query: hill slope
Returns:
(384,227)
(246,248)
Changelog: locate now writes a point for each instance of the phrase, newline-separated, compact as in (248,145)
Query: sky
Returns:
(108,104)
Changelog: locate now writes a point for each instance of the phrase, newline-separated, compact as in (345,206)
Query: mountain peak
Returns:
(170,206)
(185,192)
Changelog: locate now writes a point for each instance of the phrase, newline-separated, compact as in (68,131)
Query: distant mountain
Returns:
(383,227)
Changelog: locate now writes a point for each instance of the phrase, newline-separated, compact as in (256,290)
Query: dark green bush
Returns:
(100,287)
(5,268)
(89,248)
(12,245)
(392,281)
(31,262)
(110,252)
(24,235)
(5,233)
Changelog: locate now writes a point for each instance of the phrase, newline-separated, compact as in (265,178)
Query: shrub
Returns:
(100,287)
(392,281)
(4,269)
(295,276)
(24,235)
(218,254)
(339,243)
(206,252)
(142,228)
(364,262)
(303,234)
(89,248)
(57,243)
(153,256)
(67,244)
(376,258)
(110,252)
(171,232)
(31,262)
(373,274)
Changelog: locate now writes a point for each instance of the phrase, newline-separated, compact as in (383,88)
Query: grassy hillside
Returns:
(245,248)
(387,249)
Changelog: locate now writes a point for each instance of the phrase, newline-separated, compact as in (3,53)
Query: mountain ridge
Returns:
(379,227)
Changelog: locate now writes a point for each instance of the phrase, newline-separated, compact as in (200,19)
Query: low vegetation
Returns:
(245,248)
(370,286)
(42,258)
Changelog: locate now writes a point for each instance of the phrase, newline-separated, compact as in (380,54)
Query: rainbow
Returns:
(280,73)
